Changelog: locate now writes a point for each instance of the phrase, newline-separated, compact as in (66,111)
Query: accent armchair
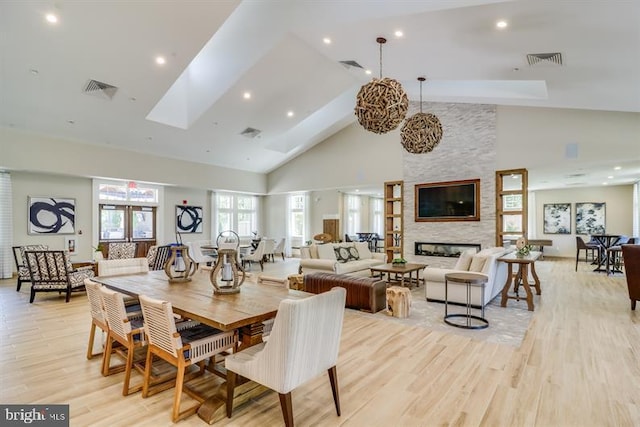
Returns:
(21,262)
(303,343)
(631,256)
(51,271)
(122,250)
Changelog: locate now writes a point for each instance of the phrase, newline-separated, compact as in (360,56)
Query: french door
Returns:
(128,223)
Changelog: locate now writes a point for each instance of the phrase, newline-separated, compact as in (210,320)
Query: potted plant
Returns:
(398,261)
(97,252)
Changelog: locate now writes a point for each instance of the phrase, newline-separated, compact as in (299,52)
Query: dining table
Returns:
(604,241)
(244,311)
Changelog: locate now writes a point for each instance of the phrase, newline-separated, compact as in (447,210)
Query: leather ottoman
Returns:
(363,293)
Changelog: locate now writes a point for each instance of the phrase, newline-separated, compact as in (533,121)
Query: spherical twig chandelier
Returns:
(422,131)
(381,104)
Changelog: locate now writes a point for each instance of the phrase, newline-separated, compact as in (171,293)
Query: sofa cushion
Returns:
(354,255)
(464,262)
(342,253)
(363,250)
(326,252)
(477,263)
(313,251)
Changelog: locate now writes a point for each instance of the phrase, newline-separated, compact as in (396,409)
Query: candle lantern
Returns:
(227,274)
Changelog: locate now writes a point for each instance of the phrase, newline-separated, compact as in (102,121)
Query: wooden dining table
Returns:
(605,241)
(244,311)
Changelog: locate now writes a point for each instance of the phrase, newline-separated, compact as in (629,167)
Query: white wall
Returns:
(618,213)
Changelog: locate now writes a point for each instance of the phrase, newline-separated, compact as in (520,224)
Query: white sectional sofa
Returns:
(116,267)
(353,258)
(484,262)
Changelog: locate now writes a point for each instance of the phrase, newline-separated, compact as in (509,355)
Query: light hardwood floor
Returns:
(578,365)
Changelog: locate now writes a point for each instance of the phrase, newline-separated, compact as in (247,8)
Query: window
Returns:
(237,212)
(130,192)
(353,213)
(377,216)
(296,216)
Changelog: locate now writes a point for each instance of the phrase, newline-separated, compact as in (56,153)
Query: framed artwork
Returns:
(188,219)
(557,218)
(51,215)
(590,218)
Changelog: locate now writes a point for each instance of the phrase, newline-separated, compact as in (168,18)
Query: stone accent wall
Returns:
(467,151)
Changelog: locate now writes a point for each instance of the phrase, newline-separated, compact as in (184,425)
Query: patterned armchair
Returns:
(21,262)
(51,271)
(122,250)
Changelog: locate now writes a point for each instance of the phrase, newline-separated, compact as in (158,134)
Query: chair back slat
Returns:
(158,256)
(159,325)
(95,300)
(115,313)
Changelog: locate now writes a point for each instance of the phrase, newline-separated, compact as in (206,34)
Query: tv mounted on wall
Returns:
(448,201)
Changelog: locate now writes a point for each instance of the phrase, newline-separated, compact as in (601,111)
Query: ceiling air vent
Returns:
(250,132)
(554,58)
(351,64)
(99,89)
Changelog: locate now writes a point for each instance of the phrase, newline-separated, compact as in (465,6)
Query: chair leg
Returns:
(147,373)
(333,379)
(231,385)
(106,360)
(287,408)
(91,337)
(633,305)
(178,393)
(33,296)
(261,265)
(127,371)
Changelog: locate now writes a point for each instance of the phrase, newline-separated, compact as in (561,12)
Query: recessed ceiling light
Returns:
(367,72)
(246,95)
(160,60)
(501,24)
(604,183)
(51,18)
(289,113)
(610,177)
(399,33)
(326,40)
(617,168)
(71,122)
(34,71)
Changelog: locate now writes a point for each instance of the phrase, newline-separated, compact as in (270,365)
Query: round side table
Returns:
(471,321)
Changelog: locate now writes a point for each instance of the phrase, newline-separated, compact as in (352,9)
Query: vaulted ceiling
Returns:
(264,68)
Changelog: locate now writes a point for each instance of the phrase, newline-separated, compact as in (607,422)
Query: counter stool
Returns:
(470,321)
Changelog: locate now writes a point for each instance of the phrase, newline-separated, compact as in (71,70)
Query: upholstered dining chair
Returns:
(120,250)
(269,247)
(303,343)
(588,248)
(51,271)
(256,256)
(279,249)
(21,262)
(181,348)
(631,256)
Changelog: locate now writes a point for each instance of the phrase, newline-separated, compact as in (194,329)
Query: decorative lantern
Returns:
(422,131)
(180,266)
(381,104)
(227,274)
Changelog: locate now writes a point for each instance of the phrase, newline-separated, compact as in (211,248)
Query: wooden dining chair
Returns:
(303,343)
(181,348)
(279,249)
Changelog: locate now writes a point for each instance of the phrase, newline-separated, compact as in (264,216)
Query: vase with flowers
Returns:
(522,247)
(97,252)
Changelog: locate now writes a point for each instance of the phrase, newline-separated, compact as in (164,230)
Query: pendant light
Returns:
(422,131)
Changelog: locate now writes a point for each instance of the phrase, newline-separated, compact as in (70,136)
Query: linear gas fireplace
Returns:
(449,250)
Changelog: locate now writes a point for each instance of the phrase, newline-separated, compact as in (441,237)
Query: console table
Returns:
(521,276)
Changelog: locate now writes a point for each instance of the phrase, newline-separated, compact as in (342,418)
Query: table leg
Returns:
(535,278)
(251,335)
(525,285)
(507,284)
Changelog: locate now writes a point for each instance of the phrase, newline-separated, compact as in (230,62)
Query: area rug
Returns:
(507,325)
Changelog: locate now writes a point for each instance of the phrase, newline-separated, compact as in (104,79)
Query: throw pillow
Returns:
(313,250)
(464,261)
(363,250)
(477,263)
(342,253)
(326,251)
(353,254)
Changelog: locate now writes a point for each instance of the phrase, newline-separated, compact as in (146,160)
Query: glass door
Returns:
(127,223)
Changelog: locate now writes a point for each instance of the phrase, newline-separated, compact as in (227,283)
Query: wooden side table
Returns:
(471,321)
(521,276)
(398,301)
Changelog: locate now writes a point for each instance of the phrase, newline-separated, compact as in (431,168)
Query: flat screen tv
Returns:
(448,201)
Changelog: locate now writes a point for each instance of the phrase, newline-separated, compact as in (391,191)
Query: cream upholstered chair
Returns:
(269,247)
(279,249)
(303,343)
(257,255)
(199,255)
(180,348)
(122,329)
